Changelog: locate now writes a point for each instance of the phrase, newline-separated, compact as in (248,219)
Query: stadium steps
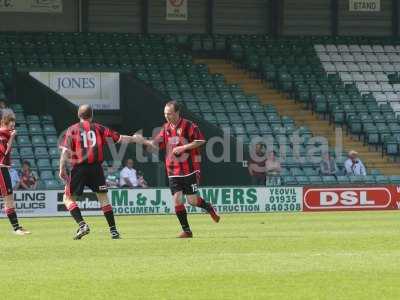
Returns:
(288,107)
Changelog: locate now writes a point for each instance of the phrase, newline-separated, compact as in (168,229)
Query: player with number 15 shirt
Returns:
(181,140)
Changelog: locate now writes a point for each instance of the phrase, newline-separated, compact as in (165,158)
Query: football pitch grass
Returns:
(353,255)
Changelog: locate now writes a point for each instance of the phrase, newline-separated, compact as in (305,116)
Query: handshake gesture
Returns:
(139,139)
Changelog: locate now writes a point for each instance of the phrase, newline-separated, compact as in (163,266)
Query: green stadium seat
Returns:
(17,108)
(330,180)
(290,180)
(26,153)
(32,119)
(375,172)
(51,140)
(16,164)
(23,141)
(309,171)
(55,164)
(46,119)
(22,130)
(43,164)
(40,185)
(41,152)
(302,180)
(19,118)
(394,179)
(358,179)
(46,175)
(38,141)
(54,152)
(369,179)
(49,129)
(296,172)
(14,153)
(391,146)
(382,179)
(52,184)
(315,180)
(343,180)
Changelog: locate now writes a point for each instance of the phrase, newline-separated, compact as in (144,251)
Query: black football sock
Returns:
(180,211)
(76,214)
(203,204)
(12,216)
(109,215)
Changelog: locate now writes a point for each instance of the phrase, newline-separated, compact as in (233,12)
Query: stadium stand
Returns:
(316,76)
(292,66)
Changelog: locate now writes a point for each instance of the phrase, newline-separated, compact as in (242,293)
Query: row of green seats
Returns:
(37,141)
(38,152)
(342,180)
(26,140)
(37,164)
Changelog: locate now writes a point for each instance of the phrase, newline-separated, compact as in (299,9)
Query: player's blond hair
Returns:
(7,116)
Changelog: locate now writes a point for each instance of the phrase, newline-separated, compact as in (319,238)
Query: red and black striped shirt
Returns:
(5,157)
(170,137)
(85,142)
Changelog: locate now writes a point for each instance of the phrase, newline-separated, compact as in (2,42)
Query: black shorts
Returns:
(189,185)
(5,182)
(90,175)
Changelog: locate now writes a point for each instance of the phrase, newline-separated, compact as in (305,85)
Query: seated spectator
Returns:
(141,181)
(272,170)
(256,165)
(127,176)
(28,178)
(112,177)
(353,165)
(328,165)
(15,181)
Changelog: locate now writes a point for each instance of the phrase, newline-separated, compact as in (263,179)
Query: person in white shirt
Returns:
(128,177)
(14,178)
(353,165)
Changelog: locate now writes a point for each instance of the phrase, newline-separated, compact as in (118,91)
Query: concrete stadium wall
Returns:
(307,17)
(243,17)
(115,16)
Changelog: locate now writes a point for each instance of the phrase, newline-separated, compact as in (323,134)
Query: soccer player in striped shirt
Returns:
(82,146)
(181,139)
(7,135)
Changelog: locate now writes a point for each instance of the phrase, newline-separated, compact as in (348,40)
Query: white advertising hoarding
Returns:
(99,89)
(159,201)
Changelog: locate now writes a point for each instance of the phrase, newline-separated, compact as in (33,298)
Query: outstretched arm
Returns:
(136,138)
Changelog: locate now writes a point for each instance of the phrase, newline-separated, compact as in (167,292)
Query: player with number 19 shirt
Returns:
(86,140)
(82,147)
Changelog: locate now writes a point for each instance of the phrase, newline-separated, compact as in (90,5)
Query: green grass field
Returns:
(247,256)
